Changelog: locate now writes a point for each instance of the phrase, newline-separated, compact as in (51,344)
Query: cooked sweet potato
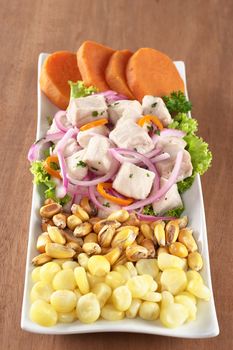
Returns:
(92,61)
(58,68)
(115,72)
(151,72)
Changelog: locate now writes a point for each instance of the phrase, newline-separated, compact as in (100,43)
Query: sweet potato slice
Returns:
(58,68)
(151,72)
(92,61)
(115,72)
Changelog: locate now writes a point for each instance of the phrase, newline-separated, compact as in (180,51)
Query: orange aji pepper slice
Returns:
(93,124)
(101,187)
(51,171)
(150,118)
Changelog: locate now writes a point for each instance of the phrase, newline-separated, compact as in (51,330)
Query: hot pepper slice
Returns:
(47,166)
(93,124)
(107,185)
(150,118)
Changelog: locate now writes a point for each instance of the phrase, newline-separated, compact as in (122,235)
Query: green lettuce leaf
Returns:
(46,186)
(174,212)
(78,89)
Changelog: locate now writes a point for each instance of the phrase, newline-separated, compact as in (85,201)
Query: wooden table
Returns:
(198,32)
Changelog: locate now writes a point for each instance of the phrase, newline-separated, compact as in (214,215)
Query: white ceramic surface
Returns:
(206,324)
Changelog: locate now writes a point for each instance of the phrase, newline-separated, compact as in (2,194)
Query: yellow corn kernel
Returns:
(186,237)
(73,221)
(91,238)
(64,279)
(199,290)
(61,261)
(147,231)
(161,250)
(154,286)
(133,309)
(77,293)
(43,313)
(63,300)
(88,308)
(120,215)
(195,261)
(166,261)
(42,240)
(188,303)
(109,313)
(55,234)
(190,296)
(114,279)
(171,231)
(123,238)
(48,271)
(149,311)
(173,280)
(148,267)
(98,265)
(132,269)
(137,286)
(93,280)
(66,317)
(152,296)
(55,250)
(159,234)
(41,290)
(121,298)
(83,260)
(69,265)
(36,274)
(102,292)
(194,275)
(173,315)
(178,249)
(113,255)
(158,281)
(123,271)
(81,279)
(167,299)
(79,212)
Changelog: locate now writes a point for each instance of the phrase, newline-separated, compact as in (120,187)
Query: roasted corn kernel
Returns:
(55,234)
(91,248)
(186,237)
(195,261)
(120,215)
(171,232)
(105,235)
(159,234)
(47,211)
(136,252)
(113,255)
(42,240)
(41,259)
(77,210)
(55,250)
(59,220)
(91,238)
(82,229)
(73,221)
(178,249)
(124,238)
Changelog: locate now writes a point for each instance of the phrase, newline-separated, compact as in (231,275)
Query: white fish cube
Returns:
(84,137)
(171,200)
(133,181)
(124,108)
(75,166)
(132,136)
(97,156)
(155,106)
(87,109)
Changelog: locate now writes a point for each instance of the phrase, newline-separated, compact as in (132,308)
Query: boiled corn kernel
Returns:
(36,274)
(190,296)
(61,261)
(48,271)
(132,269)
(66,317)
(59,251)
(198,289)
(93,280)
(64,279)
(154,286)
(98,265)
(109,313)
(83,260)
(149,311)
(77,293)
(195,261)
(70,265)
(167,298)
(173,315)
(133,309)
(194,275)
(178,249)
(137,286)
(188,303)
(123,271)
(173,280)
(63,300)
(81,279)
(114,279)
(55,234)
(88,308)
(161,250)
(121,298)
(102,292)
(148,267)
(41,290)
(43,313)
(152,296)
(166,261)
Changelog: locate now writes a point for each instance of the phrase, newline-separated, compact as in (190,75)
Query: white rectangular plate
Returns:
(206,324)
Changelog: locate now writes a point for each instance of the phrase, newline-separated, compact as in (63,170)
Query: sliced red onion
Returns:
(97,180)
(59,123)
(154,218)
(33,153)
(62,143)
(153,153)
(172,132)
(62,164)
(157,194)
(155,138)
(95,200)
(160,157)
(112,96)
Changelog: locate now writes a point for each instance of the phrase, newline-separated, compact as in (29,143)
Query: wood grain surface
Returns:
(198,32)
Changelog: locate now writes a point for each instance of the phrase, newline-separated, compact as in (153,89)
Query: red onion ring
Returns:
(157,194)
(62,143)
(33,153)
(154,218)
(160,157)
(62,164)
(58,122)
